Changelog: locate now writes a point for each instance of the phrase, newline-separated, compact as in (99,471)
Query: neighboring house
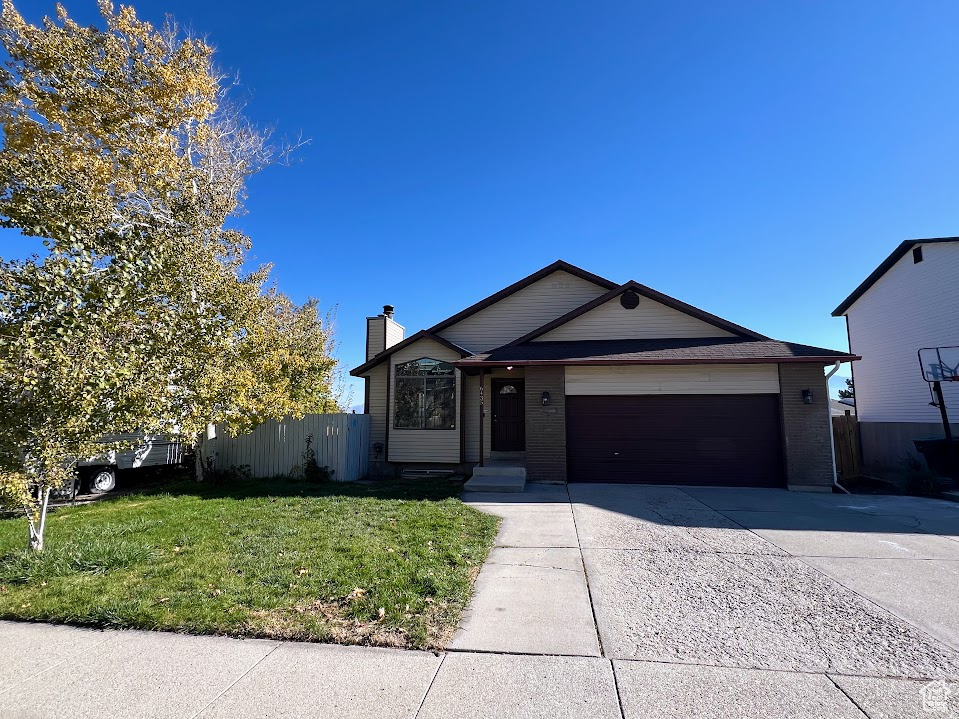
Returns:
(583,379)
(909,302)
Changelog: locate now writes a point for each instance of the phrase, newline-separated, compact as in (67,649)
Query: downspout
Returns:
(832,439)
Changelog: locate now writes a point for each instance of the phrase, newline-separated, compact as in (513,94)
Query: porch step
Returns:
(500,470)
(496,483)
(497,476)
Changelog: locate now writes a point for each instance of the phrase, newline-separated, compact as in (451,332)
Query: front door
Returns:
(509,415)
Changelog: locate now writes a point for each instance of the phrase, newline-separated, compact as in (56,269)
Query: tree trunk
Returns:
(199,466)
(37,528)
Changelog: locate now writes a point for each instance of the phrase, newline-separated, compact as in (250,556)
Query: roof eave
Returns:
(559,265)
(884,266)
(385,354)
(649,293)
(463,364)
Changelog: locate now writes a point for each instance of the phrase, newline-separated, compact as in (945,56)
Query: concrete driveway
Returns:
(807,595)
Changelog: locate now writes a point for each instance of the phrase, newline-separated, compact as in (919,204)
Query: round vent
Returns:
(629,300)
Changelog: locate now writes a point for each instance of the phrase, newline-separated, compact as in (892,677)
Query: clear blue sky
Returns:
(756,159)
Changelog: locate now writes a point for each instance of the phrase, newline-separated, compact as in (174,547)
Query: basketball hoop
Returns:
(939,364)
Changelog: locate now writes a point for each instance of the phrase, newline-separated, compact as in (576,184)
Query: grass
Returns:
(388,564)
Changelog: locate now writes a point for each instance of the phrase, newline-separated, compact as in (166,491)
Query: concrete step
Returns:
(496,483)
(500,470)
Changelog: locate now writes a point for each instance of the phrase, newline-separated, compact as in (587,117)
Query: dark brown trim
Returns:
(523,283)
(422,334)
(717,360)
(366,395)
(728,360)
(896,255)
(645,292)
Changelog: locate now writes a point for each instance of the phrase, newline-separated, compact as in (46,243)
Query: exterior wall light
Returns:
(807,396)
(510,368)
(545,399)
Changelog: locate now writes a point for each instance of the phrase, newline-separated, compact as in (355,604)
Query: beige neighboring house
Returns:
(577,378)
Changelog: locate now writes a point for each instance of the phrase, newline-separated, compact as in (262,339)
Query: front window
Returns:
(425,395)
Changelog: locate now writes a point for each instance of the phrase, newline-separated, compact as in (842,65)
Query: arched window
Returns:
(424,395)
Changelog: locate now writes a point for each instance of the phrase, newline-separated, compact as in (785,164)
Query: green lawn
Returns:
(388,564)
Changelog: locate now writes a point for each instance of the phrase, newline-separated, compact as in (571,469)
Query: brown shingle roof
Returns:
(655,351)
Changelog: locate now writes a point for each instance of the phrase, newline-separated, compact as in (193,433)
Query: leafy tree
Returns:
(121,149)
(849,392)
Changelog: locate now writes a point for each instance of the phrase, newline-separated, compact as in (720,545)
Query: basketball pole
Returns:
(950,448)
(941,402)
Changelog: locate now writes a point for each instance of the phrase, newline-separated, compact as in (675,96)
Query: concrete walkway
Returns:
(604,601)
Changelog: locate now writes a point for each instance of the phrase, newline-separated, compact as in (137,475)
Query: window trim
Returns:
(395,377)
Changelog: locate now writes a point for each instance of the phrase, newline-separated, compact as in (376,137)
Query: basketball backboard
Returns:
(939,364)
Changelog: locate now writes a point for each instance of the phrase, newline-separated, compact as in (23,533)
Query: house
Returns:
(577,378)
(910,301)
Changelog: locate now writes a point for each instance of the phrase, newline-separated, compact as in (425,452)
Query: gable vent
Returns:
(629,300)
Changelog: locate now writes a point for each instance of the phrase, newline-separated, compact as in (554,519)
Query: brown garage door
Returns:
(675,439)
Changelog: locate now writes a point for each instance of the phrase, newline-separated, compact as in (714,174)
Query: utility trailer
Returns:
(100,473)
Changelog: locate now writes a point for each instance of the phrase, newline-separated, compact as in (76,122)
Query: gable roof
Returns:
(896,255)
(645,292)
(680,350)
(431,333)
(422,334)
(522,284)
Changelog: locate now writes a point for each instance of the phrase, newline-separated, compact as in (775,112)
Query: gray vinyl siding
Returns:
(375,336)
(673,379)
(913,305)
(394,333)
(471,397)
(377,409)
(522,312)
(650,320)
(424,445)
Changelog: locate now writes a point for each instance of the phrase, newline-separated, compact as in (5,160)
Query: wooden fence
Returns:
(845,433)
(341,443)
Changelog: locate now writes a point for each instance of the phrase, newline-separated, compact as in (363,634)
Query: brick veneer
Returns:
(806,427)
(546,426)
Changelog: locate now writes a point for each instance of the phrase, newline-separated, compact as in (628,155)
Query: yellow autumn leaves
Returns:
(121,150)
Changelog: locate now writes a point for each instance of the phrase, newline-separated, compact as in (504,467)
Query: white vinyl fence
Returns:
(341,442)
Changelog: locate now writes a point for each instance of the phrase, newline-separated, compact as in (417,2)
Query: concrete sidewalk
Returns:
(53,671)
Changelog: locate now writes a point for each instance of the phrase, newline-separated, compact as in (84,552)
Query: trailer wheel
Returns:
(103,479)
